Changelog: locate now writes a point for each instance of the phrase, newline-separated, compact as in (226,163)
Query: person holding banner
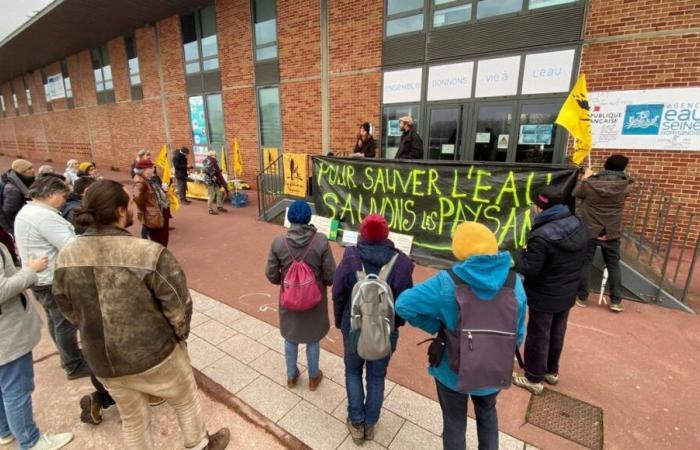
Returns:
(602,198)
(366,146)
(214,180)
(411,145)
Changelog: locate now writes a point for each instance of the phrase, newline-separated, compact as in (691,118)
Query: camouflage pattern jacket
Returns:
(127,296)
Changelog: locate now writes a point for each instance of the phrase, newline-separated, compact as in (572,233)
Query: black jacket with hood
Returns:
(411,146)
(552,261)
(14,196)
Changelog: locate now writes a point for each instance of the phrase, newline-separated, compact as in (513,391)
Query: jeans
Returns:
(16,387)
(291,352)
(182,189)
(363,409)
(611,257)
(215,196)
(544,343)
(144,232)
(454,419)
(172,380)
(62,332)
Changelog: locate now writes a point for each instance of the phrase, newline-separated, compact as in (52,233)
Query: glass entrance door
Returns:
(494,132)
(444,132)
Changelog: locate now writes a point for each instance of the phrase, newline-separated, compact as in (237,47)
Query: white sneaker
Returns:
(535,388)
(51,441)
(7,440)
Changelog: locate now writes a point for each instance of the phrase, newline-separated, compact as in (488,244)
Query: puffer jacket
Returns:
(15,195)
(149,212)
(552,262)
(20,325)
(602,200)
(127,296)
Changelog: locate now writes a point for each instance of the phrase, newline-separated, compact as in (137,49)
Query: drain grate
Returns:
(567,417)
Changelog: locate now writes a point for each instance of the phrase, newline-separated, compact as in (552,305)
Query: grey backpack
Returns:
(372,313)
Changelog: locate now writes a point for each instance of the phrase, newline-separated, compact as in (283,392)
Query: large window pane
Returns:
(209,47)
(266,53)
(67,86)
(450,16)
(208,17)
(95,58)
(537,133)
(493,133)
(216,118)
(192,68)
(264,10)
(391,134)
(266,32)
(191,51)
(210,64)
(189,29)
(443,141)
(105,55)
(490,8)
(107,72)
(269,111)
(399,6)
(404,25)
(535,4)
(134,67)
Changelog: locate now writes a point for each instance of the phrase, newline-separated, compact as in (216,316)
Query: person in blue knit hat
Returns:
(302,243)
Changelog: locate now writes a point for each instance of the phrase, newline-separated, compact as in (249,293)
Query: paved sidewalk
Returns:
(245,355)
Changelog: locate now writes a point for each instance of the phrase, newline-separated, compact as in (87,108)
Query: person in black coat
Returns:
(15,191)
(551,264)
(181,166)
(411,145)
(366,146)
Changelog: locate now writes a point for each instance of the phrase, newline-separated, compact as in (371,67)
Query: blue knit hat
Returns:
(299,213)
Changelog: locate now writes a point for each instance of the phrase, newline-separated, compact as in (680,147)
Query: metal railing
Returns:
(270,184)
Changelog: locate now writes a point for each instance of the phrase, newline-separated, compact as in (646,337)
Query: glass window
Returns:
(265,18)
(192,68)
(210,64)
(493,133)
(535,4)
(443,138)
(400,6)
(490,8)
(132,60)
(2,103)
(269,117)
(266,53)
(29,97)
(215,112)
(537,133)
(391,134)
(404,25)
(266,32)
(102,70)
(451,16)
(14,101)
(67,85)
(199,41)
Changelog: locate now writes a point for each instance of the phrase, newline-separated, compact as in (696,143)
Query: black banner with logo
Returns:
(429,199)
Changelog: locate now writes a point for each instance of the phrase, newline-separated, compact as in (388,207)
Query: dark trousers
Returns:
(611,256)
(182,188)
(101,393)
(544,342)
(454,419)
(161,235)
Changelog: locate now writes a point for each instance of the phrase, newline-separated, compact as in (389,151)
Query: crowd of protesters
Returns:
(128,299)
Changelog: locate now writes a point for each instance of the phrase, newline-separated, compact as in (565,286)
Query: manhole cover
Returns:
(567,417)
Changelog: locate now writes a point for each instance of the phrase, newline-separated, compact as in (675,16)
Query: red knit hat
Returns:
(144,164)
(374,228)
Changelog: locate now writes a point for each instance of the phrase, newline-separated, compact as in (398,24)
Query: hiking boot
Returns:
(221,209)
(213,213)
(535,388)
(82,371)
(581,303)
(357,432)
(50,441)
(292,382)
(7,440)
(219,440)
(369,432)
(315,381)
(551,378)
(616,307)
(90,410)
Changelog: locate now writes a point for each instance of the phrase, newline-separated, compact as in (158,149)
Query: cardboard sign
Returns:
(296,177)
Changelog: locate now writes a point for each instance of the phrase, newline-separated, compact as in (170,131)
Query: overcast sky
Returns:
(13,13)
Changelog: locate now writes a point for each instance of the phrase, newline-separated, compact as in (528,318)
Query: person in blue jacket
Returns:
(432,304)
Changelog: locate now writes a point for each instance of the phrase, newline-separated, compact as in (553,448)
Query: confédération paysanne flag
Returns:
(237,161)
(163,162)
(222,165)
(575,117)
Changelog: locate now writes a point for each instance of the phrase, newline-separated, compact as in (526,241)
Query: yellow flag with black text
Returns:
(575,117)
(237,161)
(163,162)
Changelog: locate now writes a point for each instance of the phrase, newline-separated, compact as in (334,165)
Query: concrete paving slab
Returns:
(315,428)
(269,398)
(213,332)
(252,327)
(223,313)
(231,374)
(201,302)
(348,444)
(198,318)
(413,437)
(327,396)
(273,340)
(202,353)
(416,408)
(272,365)
(388,427)
(242,348)
(507,442)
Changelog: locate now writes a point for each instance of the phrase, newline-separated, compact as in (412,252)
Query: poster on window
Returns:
(536,134)
(651,119)
(548,72)
(198,121)
(402,86)
(54,87)
(296,177)
(498,77)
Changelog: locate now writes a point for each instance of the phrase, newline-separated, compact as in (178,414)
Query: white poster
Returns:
(451,81)
(402,86)
(503,140)
(548,72)
(652,119)
(403,242)
(497,77)
(54,87)
(483,138)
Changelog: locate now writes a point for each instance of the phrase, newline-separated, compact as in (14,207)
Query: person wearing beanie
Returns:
(411,144)
(602,199)
(15,191)
(302,243)
(152,202)
(215,182)
(551,264)
(433,307)
(366,146)
(374,251)
(87,169)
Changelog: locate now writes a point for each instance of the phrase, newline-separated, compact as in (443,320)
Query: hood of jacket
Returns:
(609,184)
(376,253)
(561,228)
(485,274)
(300,235)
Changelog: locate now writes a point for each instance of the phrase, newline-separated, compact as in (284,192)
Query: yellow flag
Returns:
(163,162)
(575,117)
(223,162)
(237,162)
(172,197)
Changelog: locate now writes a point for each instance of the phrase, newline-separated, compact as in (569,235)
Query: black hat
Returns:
(616,162)
(546,197)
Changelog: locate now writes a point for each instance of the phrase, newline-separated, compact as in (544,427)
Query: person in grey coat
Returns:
(20,332)
(310,326)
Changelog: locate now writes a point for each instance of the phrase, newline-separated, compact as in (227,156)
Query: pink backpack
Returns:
(300,291)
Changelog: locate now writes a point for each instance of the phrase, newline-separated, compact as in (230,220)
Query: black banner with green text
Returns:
(429,199)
